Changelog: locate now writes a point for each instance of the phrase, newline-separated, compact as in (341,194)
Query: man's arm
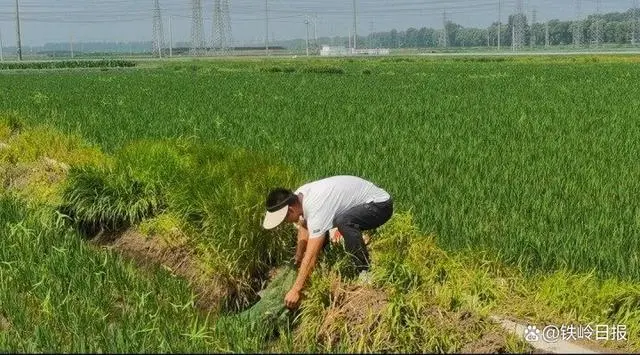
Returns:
(314,247)
(303,238)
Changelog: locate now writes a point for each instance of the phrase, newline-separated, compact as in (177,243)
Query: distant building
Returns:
(333,51)
(329,51)
(371,51)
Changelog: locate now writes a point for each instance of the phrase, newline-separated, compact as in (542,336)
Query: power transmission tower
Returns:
(577,24)
(221,38)
(443,34)
(197,28)
(534,15)
(266,32)
(158,31)
(598,26)
(517,34)
(371,34)
(355,26)
(546,34)
(18,30)
(635,26)
(499,22)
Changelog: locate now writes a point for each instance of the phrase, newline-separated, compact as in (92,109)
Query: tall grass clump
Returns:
(101,199)
(215,193)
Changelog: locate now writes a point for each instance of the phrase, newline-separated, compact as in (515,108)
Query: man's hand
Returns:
(292,299)
(313,249)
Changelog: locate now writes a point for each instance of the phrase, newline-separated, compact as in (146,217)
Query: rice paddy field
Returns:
(516,183)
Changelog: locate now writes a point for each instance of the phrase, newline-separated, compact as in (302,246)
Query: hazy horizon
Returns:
(52,21)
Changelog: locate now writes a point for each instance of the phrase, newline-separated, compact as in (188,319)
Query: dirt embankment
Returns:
(149,252)
(4,323)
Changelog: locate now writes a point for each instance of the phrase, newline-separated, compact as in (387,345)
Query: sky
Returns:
(50,21)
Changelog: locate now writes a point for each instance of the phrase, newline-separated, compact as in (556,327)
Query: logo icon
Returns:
(532,333)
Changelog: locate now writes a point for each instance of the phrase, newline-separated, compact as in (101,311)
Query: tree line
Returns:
(613,28)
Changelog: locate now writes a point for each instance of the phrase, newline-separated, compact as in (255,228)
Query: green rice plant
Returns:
(27,145)
(271,69)
(323,69)
(544,184)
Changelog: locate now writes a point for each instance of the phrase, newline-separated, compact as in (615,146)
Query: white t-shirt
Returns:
(324,199)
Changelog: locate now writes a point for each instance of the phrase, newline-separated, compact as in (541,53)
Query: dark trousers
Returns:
(352,222)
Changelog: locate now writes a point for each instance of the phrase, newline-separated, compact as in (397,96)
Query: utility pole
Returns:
(71,46)
(306,22)
(1,49)
(355,27)
(266,32)
(315,32)
(18,28)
